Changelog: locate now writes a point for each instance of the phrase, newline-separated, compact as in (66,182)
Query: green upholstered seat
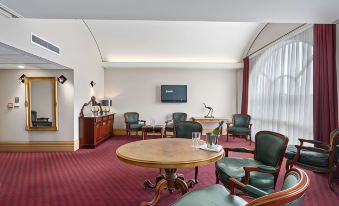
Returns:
(136,126)
(37,123)
(169,127)
(308,157)
(233,167)
(217,195)
(268,154)
(184,129)
(240,126)
(214,195)
(235,130)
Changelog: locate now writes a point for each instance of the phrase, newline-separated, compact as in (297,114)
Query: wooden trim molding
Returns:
(122,132)
(39,146)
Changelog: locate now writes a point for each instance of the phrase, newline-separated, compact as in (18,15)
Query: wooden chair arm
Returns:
(311,141)
(260,168)
(235,184)
(238,149)
(313,149)
(250,125)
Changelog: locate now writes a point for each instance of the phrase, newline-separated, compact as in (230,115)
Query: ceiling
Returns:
(11,58)
(286,11)
(171,41)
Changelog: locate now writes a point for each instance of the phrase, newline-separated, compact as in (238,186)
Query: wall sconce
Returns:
(22,78)
(92,83)
(62,79)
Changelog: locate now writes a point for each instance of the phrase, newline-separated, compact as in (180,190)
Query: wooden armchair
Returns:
(262,171)
(176,117)
(320,158)
(133,123)
(240,126)
(293,191)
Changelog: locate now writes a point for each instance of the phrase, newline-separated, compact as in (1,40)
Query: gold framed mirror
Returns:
(41,103)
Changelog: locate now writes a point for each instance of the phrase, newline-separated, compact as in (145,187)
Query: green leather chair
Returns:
(262,171)
(240,126)
(176,117)
(133,123)
(184,129)
(320,158)
(292,193)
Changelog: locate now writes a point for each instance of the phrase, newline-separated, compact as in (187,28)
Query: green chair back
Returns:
(270,148)
(131,117)
(184,129)
(241,120)
(179,116)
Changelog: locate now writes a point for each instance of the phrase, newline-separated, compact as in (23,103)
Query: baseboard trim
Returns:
(122,132)
(40,146)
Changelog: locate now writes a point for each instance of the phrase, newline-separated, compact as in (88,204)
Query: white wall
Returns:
(78,52)
(13,121)
(138,90)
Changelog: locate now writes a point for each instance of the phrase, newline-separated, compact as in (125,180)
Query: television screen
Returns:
(173,93)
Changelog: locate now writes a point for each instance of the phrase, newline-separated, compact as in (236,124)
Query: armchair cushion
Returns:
(214,195)
(241,120)
(131,118)
(234,167)
(308,157)
(136,126)
(169,127)
(238,129)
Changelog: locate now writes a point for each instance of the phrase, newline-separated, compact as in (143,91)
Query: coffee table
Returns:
(168,154)
(152,129)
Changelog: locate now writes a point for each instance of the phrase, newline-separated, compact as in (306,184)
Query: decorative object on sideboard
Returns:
(10,106)
(92,83)
(93,102)
(62,79)
(210,111)
(106,105)
(22,78)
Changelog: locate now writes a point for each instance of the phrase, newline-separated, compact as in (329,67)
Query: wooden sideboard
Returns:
(94,129)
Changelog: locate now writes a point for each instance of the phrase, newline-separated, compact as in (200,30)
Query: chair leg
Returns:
(196,175)
(330,180)
(250,137)
(216,177)
(227,137)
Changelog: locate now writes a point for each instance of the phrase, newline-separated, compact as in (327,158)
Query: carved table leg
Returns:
(170,181)
(162,184)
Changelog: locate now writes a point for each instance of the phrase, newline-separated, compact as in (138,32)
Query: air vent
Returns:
(45,44)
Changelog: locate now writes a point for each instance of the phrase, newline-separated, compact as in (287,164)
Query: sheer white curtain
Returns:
(281,88)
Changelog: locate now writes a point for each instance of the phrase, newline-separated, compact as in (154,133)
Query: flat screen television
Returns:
(173,93)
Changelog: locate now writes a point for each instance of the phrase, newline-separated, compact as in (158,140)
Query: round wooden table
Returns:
(168,154)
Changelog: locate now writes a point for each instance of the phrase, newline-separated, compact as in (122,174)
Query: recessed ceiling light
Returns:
(21,66)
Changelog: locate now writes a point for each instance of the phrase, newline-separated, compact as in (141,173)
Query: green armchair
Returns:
(176,117)
(240,126)
(321,158)
(292,193)
(262,171)
(133,123)
(184,129)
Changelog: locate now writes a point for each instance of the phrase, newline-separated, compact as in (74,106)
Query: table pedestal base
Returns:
(170,180)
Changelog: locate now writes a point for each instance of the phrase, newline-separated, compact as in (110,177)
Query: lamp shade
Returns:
(107,102)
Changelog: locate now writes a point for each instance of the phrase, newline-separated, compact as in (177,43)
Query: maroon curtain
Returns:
(325,99)
(245,81)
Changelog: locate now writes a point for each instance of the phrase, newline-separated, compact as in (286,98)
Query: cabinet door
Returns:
(97,132)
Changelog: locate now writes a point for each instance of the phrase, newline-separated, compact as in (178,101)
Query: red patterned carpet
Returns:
(97,177)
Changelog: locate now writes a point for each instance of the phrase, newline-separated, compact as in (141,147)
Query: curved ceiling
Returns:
(287,11)
(170,41)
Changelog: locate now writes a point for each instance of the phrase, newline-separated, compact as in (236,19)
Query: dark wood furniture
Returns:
(152,129)
(133,123)
(240,126)
(176,117)
(320,158)
(178,154)
(94,129)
